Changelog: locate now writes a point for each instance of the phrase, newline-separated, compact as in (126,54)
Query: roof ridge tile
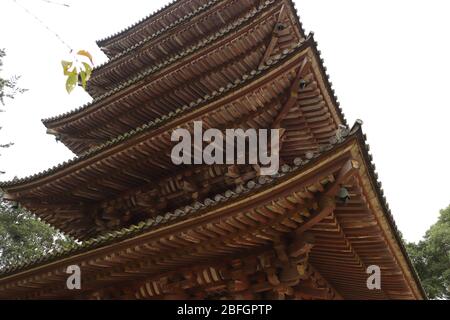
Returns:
(151,15)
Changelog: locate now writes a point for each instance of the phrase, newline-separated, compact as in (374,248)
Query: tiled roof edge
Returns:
(141,21)
(160,220)
(210,3)
(328,83)
(384,203)
(219,34)
(158,33)
(322,65)
(163,219)
(165,118)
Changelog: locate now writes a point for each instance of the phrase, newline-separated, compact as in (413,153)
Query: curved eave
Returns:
(167,122)
(55,121)
(129,52)
(162,221)
(169,41)
(398,243)
(80,147)
(120,35)
(354,146)
(111,95)
(65,198)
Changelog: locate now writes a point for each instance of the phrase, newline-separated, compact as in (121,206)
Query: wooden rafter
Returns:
(293,93)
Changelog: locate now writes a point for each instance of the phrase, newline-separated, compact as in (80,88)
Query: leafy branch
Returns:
(8,87)
(78,71)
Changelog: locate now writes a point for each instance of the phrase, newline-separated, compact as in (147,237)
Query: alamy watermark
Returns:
(73,282)
(374,280)
(235,147)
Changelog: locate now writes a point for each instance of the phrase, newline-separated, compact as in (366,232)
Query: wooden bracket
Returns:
(275,36)
(293,93)
(349,169)
(327,205)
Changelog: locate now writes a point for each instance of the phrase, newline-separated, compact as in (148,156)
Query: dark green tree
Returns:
(22,236)
(431,258)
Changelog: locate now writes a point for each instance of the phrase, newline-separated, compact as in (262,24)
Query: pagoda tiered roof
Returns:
(65,195)
(347,237)
(191,75)
(159,21)
(212,18)
(150,229)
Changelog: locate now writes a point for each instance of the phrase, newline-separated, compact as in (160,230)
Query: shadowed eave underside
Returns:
(234,88)
(81,146)
(73,128)
(353,146)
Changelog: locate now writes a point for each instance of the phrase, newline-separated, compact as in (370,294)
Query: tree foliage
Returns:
(431,258)
(8,87)
(78,71)
(24,237)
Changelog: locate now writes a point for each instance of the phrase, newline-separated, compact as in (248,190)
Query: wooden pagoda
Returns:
(149,229)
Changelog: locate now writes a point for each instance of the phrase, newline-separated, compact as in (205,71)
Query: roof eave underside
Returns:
(121,140)
(56,121)
(133,231)
(308,43)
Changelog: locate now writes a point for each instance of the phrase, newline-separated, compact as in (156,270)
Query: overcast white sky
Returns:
(389,62)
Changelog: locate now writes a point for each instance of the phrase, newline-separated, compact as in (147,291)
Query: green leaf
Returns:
(66,66)
(83,76)
(65,63)
(72,81)
(88,70)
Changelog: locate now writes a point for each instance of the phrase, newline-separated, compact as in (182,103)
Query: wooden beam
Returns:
(293,93)
(276,33)
(349,169)
(327,205)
